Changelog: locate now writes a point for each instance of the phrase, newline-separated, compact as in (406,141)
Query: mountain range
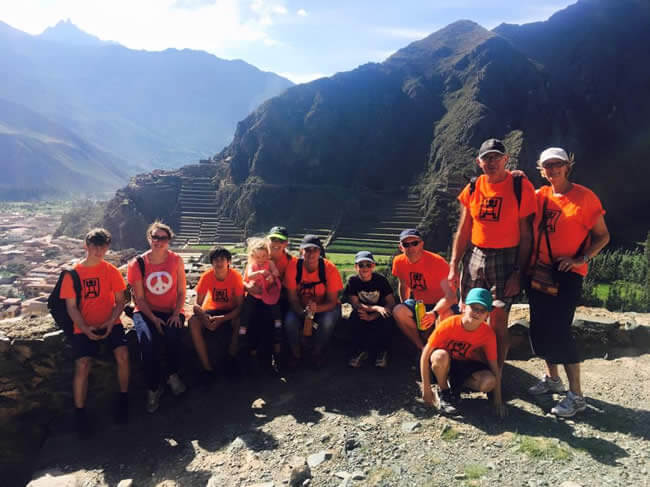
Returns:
(580,80)
(131,110)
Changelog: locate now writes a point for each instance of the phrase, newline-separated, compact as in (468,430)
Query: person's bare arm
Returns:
(274,269)
(461,242)
(107,326)
(499,407)
(331,300)
(425,374)
(403,289)
(75,315)
(513,283)
(294,302)
(181,285)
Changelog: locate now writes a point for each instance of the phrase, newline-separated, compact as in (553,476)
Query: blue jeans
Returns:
(326,323)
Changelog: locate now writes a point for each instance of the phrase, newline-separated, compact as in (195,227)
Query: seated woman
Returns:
(219,298)
(372,298)
(158,318)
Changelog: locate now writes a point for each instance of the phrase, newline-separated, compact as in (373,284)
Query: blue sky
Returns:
(301,39)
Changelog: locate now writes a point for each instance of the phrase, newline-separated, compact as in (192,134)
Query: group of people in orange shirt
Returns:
(506,228)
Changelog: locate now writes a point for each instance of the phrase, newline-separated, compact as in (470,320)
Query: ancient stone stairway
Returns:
(380,233)
(199,220)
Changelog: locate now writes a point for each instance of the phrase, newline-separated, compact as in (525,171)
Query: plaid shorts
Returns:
(489,269)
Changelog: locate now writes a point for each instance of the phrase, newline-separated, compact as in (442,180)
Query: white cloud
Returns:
(302,12)
(299,78)
(152,24)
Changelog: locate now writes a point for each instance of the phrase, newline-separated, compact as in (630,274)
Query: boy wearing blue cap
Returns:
(462,352)
(372,298)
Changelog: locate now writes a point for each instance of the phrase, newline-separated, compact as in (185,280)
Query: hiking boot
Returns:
(176,385)
(570,405)
(546,385)
(153,400)
(447,402)
(357,360)
(382,360)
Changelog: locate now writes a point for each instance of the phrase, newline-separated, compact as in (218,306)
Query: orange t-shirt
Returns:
(161,281)
(569,218)
(422,278)
(219,295)
(318,292)
(494,211)
(99,284)
(462,344)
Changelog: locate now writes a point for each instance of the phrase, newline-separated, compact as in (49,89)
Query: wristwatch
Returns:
(585,259)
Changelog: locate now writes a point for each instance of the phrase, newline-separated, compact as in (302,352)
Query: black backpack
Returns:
(322,278)
(57,306)
(516,185)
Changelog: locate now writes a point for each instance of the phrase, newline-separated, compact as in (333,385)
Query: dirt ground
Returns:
(365,427)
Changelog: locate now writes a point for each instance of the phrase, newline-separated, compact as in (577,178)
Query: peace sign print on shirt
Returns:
(159,282)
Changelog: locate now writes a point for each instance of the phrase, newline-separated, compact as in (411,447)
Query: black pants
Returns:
(152,344)
(551,318)
(372,336)
(259,319)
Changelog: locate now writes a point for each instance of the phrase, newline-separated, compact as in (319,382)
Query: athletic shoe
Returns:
(570,405)
(153,400)
(382,360)
(356,361)
(446,400)
(176,385)
(547,385)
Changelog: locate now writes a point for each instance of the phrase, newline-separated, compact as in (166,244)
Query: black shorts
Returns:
(218,312)
(82,346)
(461,370)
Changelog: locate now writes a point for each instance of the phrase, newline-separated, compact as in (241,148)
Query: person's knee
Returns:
(487,382)
(122,356)
(402,314)
(440,358)
(82,366)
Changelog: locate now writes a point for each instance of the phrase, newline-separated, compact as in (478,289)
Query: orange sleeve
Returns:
(67,288)
(463,197)
(334,281)
(397,266)
(528,200)
(290,275)
(593,209)
(437,338)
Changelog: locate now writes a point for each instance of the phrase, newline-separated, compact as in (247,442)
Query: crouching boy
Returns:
(462,352)
(96,320)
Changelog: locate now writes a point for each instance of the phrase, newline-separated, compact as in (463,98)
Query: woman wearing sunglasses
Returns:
(570,231)
(372,298)
(158,318)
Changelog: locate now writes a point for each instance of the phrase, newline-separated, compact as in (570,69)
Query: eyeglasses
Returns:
(406,245)
(365,265)
(160,238)
(553,164)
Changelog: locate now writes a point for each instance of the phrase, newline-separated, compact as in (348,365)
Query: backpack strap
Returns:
(472,185)
(322,278)
(516,184)
(140,260)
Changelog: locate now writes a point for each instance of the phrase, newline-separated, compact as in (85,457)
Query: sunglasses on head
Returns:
(365,265)
(160,238)
(406,245)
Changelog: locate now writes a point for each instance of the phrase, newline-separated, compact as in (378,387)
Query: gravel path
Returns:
(365,427)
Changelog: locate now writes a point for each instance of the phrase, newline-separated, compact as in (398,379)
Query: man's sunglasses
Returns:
(160,238)
(406,245)
(365,265)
